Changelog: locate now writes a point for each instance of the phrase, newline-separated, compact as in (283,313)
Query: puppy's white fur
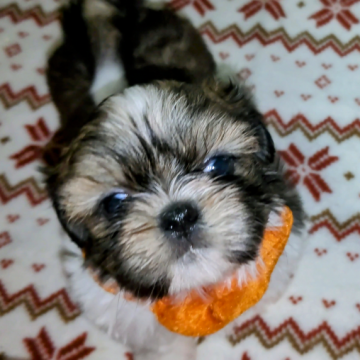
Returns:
(108,80)
(129,322)
(133,324)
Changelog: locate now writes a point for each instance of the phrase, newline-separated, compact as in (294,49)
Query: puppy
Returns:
(166,186)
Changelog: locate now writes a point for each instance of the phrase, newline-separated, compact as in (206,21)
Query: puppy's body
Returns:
(126,40)
(166,187)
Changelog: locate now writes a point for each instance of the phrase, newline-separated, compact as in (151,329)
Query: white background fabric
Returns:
(301,58)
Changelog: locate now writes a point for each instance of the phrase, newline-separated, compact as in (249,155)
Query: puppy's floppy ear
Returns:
(236,99)
(76,230)
(266,152)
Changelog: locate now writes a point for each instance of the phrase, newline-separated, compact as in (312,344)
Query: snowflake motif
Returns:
(245,356)
(201,6)
(40,134)
(273,7)
(336,9)
(42,348)
(308,170)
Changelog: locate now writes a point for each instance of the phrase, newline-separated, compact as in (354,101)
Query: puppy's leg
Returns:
(70,74)
(79,68)
(71,70)
(181,348)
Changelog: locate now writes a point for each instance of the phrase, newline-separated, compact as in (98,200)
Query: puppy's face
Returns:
(165,189)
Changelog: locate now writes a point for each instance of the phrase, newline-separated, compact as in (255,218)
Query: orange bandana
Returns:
(198,315)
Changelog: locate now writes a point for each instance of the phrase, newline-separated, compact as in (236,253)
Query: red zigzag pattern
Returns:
(301,341)
(9,98)
(36,306)
(339,230)
(300,122)
(279,35)
(36,13)
(27,187)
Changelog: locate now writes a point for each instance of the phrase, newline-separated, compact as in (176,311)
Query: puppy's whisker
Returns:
(113,310)
(140,230)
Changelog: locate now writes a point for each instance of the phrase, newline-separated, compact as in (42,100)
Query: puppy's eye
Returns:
(221,165)
(112,203)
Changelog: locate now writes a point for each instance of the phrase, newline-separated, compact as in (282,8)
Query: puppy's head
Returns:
(166,189)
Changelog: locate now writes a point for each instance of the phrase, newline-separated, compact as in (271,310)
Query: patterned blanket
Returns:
(301,59)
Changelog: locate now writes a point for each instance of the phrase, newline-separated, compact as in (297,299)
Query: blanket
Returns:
(300,58)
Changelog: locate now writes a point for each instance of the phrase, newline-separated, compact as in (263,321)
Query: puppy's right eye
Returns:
(221,165)
(113,203)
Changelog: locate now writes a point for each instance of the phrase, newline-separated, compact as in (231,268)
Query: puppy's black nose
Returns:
(179,218)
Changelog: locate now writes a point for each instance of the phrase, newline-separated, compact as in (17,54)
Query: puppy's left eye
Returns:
(221,165)
(113,203)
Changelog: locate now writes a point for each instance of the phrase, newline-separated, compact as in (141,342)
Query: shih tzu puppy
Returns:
(165,186)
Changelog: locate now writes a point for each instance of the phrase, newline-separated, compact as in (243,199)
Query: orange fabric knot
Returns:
(197,315)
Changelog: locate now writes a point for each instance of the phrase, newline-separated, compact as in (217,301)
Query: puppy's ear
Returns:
(266,151)
(236,99)
(76,230)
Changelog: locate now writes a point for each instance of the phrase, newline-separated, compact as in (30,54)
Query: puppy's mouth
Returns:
(185,243)
(182,226)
